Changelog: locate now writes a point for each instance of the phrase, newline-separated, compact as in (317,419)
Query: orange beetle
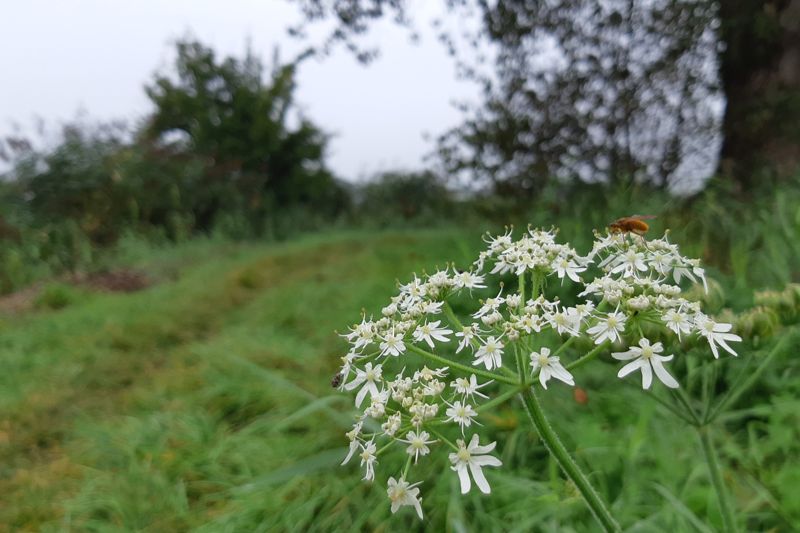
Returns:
(633,224)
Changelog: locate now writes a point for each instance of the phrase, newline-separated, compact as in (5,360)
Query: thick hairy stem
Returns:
(710,454)
(566,462)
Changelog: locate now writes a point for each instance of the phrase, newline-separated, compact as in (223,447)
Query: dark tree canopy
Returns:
(224,114)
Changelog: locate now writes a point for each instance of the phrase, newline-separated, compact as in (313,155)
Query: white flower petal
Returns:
(662,373)
(630,367)
(486,460)
(463,477)
(480,479)
(647,376)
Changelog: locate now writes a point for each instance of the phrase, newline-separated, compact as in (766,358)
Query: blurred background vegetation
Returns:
(204,401)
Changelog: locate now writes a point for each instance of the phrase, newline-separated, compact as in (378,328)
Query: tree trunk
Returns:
(760,72)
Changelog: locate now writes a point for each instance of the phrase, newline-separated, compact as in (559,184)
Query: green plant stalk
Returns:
(451,316)
(710,454)
(563,346)
(464,368)
(498,400)
(442,437)
(586,358)
(740,388)
(684,401)
(566,462)
(517,349)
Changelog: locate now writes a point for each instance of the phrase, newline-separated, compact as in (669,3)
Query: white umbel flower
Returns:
(716,333)
(490,306)
(469,387)
(431,331)
(393,344)
(473,457)
(565,322)
(647,359)
(490,354)
(549,367)
(369,377)
(629,263)
(467,334)
(468,280)
(417,443)
(677,322)
(564,266)
(402,493)
(608,328)
(461,413)
(368,460)
(353,436)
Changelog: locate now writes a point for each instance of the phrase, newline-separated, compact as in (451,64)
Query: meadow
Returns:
(204,402)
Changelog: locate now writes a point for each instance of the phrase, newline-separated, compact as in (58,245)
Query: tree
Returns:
(223,114)
(76,181)
(760,72)
(635,89)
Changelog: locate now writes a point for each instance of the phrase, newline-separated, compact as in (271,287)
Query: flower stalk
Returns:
(710,455)
(464,368)
(566,462)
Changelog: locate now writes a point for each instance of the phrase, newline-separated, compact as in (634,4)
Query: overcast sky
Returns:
(60,56)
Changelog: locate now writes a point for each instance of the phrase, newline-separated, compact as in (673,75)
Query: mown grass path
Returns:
(141,410)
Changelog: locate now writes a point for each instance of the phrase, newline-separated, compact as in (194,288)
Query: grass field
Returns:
(204,403)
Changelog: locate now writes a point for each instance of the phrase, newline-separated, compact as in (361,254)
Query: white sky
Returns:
(60,56)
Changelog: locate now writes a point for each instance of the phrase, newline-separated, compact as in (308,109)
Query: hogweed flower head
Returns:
(422,374)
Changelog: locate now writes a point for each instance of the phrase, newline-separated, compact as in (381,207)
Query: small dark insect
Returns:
(633,224)
(336,381)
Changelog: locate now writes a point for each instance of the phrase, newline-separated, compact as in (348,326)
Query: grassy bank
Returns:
(204,402)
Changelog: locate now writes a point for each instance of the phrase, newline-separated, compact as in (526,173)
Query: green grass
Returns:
(204,403)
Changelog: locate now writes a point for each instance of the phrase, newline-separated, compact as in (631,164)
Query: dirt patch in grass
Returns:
(21,300)
(123,280)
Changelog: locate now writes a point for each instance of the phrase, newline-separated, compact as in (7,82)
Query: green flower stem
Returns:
(464,368)
(566,462)
(510,374)
(536,285)
(517,350)
(451,316)
(684,401)
(442,437)
(408,465)
(586,358)
(735,392)
(384,448)
(520,363)
(710,454)
(563,346)
(499,400)
(670,407)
